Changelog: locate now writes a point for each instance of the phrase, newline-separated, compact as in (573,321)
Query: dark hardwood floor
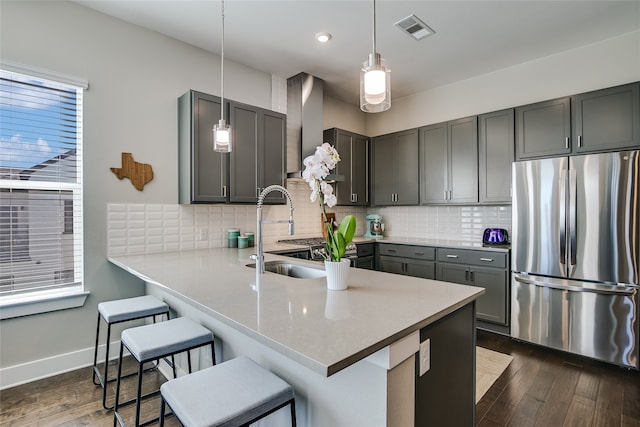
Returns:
(544,387)
(539,388)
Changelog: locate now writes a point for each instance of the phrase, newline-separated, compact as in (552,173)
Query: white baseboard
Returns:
(23,373)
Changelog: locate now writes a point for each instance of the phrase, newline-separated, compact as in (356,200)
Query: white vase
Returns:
(337,274)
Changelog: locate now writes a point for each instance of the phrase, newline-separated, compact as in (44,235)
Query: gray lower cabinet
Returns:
(353,166)
(257,159)
(495,156)
(449,162)
(416,261)
(486,269)
(395,170)
(203,173)
(366,256)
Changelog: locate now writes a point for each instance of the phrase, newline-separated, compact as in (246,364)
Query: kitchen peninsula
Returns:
(350,355)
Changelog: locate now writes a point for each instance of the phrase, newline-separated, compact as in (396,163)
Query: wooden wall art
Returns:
(138,173)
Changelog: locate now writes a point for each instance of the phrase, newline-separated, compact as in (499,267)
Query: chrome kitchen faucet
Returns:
(259,257)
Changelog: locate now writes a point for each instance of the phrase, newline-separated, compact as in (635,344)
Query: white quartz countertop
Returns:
(323,330)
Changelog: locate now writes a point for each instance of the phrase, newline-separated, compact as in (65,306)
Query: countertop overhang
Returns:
(326,331)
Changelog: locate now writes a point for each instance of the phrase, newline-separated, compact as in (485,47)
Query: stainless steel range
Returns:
(316,246)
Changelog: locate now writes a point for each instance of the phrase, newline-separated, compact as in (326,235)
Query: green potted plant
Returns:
(317,168)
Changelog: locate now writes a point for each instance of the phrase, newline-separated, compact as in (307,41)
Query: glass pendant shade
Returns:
(375,85)
(222,137)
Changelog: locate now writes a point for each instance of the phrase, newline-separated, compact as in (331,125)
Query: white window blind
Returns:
(41,233)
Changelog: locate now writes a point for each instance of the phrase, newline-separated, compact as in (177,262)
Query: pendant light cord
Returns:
(222,68)
(374,27)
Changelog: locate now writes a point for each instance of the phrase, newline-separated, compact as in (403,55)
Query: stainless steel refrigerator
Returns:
(575,255)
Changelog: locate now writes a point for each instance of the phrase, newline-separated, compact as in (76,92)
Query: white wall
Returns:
(135,77)
(596,66)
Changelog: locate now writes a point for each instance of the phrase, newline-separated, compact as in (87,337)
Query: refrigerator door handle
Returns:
(572,216)
(563,217)
(586,287)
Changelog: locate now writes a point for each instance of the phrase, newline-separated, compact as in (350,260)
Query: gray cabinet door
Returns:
(463,160)
(492,306)
(607,119)
(496,154)
(360,170)
(422,269)
(543,129)
(342,142)
(257,159)
(384,176)
(390,264)
(244,166)
(202,172)
(407,168)
(434,172)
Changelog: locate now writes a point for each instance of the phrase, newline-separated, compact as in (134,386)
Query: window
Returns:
(41,236)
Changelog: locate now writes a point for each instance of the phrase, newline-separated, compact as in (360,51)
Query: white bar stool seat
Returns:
(157,341)
(117,311)
(234,393)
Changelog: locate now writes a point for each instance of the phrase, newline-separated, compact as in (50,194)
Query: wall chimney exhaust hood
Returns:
(304,122)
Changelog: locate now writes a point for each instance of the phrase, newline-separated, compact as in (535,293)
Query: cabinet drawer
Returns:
(408,251)
(472,257)
(365,249)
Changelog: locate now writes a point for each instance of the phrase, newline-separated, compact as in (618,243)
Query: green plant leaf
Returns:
(347,228)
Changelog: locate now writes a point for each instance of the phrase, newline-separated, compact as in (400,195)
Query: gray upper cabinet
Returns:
(202,172)
(257,159)
(543,129)
(496,153)
(607,119)
(395,169)
(353,166)
(602,120)
(449,162)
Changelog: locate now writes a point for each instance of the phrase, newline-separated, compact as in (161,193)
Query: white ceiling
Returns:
(472,37)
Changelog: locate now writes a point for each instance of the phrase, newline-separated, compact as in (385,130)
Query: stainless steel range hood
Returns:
(304,121)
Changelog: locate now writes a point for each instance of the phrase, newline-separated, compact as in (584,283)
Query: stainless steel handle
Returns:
(445,195)
(452,256)
(572,215)
(391,251)
(486,259)
(563,216)
(471,276)
(224,191)
(579,141)
(419,253)
(566,143)
(586,287)
(466,275)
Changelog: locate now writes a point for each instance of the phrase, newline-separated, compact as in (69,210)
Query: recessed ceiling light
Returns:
(323,37)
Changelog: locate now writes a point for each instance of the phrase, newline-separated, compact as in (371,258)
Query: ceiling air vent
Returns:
(414,27)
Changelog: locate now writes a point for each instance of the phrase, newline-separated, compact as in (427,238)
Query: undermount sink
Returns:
(287,268)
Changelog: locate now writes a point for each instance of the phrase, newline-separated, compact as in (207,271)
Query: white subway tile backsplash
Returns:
(139,228)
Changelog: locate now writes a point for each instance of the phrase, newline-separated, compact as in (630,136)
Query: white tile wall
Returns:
(154,228)
(464,223)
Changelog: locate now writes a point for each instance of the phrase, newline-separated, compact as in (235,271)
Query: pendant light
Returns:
(222,131)
(375,80)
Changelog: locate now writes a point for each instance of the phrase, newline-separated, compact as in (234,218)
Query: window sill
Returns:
(35,304)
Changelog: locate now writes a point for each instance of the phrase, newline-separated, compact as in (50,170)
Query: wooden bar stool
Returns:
(234,393)
(157,341)
(118,311)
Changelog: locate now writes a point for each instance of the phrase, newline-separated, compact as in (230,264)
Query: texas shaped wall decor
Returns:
(138,173)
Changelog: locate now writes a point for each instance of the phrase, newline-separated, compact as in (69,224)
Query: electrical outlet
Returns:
(203,234)
(425,356)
